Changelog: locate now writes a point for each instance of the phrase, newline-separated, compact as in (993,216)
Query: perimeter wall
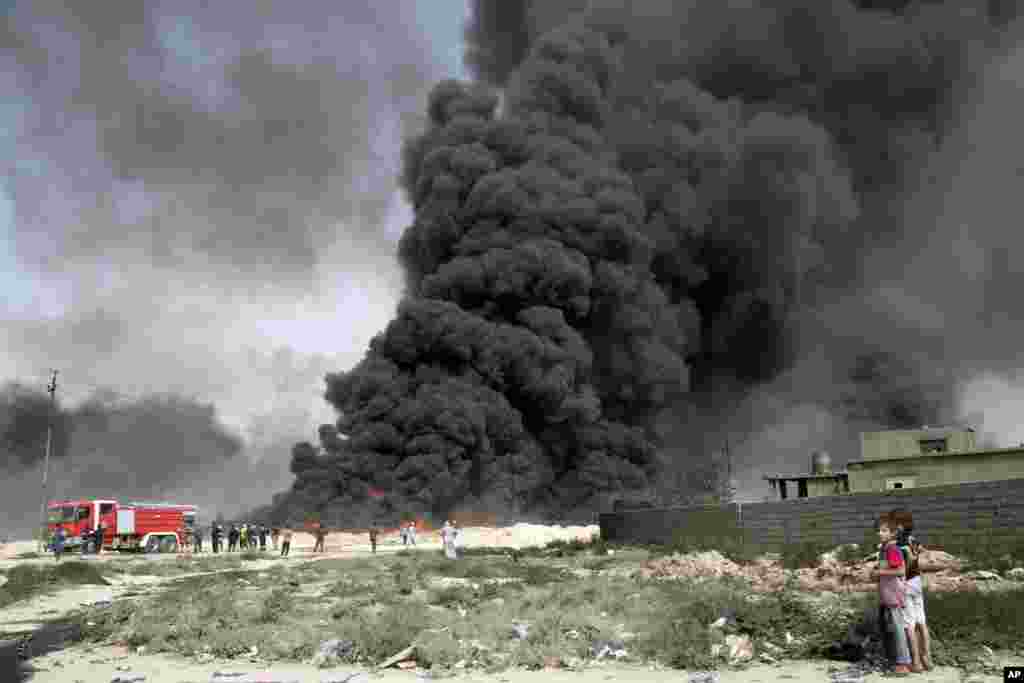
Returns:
(942,515)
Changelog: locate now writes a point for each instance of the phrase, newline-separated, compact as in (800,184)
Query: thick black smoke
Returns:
(25,414)
(671,210)
(109,446)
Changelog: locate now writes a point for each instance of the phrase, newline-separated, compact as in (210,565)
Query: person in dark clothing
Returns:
(99,538)
(320,536)
(263,537)
(232,538)
(215,537)
(373,538)
(286,541)
(197,535)
(58,543)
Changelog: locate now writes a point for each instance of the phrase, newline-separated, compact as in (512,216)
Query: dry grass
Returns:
(25,581)
(460,613)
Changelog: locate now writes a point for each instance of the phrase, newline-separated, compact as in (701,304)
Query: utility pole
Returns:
(46,460)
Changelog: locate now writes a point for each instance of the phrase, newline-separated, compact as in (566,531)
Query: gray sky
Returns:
(203,202)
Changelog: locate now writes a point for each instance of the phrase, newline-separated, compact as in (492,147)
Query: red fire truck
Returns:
(149,527)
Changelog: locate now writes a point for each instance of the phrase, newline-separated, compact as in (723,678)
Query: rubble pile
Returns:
(942,571)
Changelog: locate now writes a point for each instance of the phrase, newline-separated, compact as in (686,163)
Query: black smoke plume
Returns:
(110,446)
(671,212)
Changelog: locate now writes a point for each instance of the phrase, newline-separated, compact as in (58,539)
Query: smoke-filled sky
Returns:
(202,202)
(772,223)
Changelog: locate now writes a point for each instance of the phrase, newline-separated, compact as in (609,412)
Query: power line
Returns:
(46,460)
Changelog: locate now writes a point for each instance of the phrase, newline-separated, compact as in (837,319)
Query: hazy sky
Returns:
(205,203)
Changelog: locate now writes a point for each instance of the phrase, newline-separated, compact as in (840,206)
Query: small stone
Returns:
(407,664)
(520,631)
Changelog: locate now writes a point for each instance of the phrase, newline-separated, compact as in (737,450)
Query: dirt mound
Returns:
(941,571)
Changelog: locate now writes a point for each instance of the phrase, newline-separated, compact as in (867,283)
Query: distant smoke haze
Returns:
(203,205)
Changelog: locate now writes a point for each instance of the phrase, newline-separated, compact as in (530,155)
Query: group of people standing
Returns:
(901,599)
(451,538)
(90,540)
(239,537)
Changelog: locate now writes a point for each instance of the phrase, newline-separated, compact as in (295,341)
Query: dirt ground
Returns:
(99,664)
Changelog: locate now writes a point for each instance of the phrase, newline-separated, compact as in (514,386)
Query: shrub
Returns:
(23,581)
(448,596)
(850,553)
(803,554)
(277,604)
(962,622)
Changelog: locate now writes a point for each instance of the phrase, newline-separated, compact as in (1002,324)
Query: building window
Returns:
(106,508)
(933,446)
(802,488)
(901,483)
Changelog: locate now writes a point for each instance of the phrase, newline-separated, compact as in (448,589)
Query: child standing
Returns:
(892,595)
(918,637)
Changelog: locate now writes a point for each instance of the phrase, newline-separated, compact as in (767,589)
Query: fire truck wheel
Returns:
(152,544)
(168,544)
(90,548)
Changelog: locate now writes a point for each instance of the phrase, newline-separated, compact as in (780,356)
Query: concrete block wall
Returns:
(941,514)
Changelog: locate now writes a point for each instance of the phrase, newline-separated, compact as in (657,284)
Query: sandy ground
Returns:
(101,664)
(343,544)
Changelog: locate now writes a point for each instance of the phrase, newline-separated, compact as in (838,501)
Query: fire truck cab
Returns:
(147,527)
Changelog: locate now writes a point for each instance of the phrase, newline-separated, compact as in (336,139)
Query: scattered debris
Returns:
(552,662)
(520,631)
(128,678)
(358,677)
(233,677)
(741,649)
(407,654)
(1015,574)
(332,652)
(766,573)
(983,575)
(608,648)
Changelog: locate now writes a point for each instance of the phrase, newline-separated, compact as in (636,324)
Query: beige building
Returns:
(903,459)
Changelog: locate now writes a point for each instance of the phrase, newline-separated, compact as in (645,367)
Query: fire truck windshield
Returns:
(65,513)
